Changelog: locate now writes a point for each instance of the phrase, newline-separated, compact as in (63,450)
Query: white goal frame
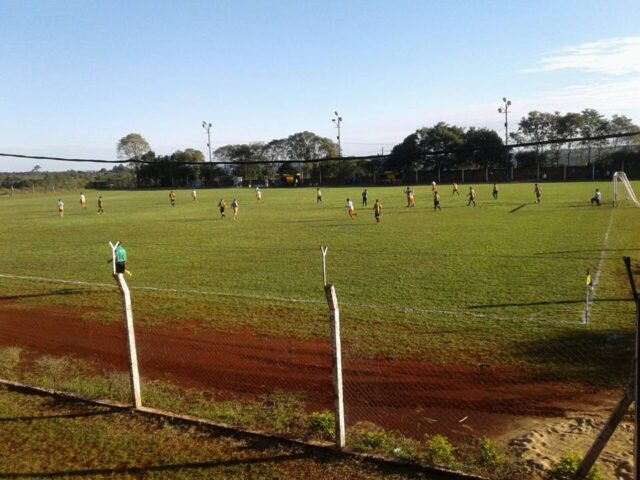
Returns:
(621,177)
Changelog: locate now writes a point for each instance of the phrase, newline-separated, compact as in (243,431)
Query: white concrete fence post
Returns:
(134,373)
(336,353)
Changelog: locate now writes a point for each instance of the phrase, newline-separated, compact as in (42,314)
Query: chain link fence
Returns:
(529,385)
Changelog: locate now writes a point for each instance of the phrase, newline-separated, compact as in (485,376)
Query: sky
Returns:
(76,76)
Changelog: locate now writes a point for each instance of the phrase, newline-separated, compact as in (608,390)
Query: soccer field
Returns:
(464,282)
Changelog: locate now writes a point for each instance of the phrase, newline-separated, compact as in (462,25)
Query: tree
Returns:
(536,127)
(483,147)
(622,124)
(36,169)
(309,146)
(132,147)
(407,154)
(593,124)
(247,154)
(442,137)
(569,126)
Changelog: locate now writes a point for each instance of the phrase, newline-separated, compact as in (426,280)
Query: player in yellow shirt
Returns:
(538,191)
(172,198)
(455,190)
(377,210)
(472,196)
(222,205)
(436,201)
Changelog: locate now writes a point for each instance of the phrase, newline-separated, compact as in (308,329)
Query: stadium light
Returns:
(207,127)
(505,110)
(338,121)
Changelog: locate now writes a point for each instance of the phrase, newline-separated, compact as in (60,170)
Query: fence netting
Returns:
(64,336)
(533,383)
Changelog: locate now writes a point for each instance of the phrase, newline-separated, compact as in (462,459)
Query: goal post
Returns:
(621,185)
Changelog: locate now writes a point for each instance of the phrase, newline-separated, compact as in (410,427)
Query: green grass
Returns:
(42,437)
(465,284)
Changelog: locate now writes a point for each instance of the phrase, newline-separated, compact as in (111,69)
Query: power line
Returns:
(319,160)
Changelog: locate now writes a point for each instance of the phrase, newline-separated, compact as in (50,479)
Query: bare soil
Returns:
(413,397)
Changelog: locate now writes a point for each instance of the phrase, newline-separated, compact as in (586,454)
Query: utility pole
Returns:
(207,127)
(505,110)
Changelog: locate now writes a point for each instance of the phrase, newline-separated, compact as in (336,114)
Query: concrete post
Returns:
(336,351)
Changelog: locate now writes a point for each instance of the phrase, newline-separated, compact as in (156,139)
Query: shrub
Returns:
(369,437)
(567,466)
(438,451)
(119,386)
(9,360)
(322,425)
(54,369)
(490,457)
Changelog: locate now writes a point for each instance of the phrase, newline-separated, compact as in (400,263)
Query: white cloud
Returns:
(614,56)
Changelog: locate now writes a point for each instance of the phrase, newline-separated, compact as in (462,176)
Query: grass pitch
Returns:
(500,281)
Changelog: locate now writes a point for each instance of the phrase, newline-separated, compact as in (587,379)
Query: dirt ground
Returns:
(538,418)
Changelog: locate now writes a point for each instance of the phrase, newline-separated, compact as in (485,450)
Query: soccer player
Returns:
(222,205)
(172,198)
(597,198)
(365,195)
(409,193)
(351,209)
(60,208)
(258,195)
(194,196)
(83,202)
(538,191)
(455,189)
(235,206)
(318,195)
(377,210)
(472,197)
(495,191)
(100,205)
(436,201)
(434,187)
(410,197)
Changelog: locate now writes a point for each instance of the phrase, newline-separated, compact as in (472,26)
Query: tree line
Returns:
(313,158)
(441,146)
(484,148)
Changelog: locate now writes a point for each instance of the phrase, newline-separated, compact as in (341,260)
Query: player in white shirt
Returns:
(351,209)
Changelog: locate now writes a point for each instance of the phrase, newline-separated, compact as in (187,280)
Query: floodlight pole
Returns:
(338,122)
(134,372)
(207,127)
(505,110)
(336,354)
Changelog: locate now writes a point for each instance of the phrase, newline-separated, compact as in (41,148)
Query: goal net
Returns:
(622,189)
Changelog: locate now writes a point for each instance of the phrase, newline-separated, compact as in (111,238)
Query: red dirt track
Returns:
(408,395)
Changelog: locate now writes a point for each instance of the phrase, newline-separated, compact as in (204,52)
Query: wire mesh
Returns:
(79,350)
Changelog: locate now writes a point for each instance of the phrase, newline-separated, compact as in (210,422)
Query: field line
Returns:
(267,297)
(596,275)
